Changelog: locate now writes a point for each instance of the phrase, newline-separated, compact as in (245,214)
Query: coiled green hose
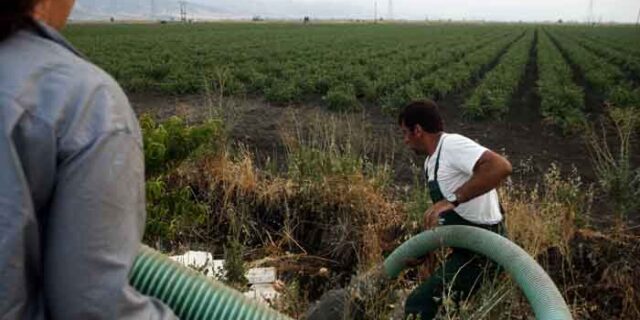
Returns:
(545,299)
(191,295)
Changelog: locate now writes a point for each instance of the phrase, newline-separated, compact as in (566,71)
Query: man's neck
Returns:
(432,145)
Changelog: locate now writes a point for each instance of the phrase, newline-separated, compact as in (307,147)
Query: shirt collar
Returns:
(47,32)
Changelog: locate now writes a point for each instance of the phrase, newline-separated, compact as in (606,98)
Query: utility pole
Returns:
(638,19)
(114,9)
(183,11)
(390,8)
(590,19)
(375,11)
(153,10)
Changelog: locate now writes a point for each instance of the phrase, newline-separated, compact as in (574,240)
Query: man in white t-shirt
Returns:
(462,176)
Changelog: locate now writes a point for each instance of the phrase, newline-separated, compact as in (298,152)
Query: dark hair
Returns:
(15,15)
(425,113)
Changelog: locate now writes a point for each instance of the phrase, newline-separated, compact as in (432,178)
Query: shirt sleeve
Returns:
(95,226)
(463,153)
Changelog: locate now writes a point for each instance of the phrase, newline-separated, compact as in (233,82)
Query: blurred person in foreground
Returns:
(72,198)
(461,176)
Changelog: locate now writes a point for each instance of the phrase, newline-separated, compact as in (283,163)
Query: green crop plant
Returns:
(492,96)
(562,101)
(606,78)
(342,98)
(168,143)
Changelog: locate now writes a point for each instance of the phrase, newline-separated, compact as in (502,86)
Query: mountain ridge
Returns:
(205,10)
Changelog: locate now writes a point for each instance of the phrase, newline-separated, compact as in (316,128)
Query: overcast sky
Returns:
(502,10)
(494,10)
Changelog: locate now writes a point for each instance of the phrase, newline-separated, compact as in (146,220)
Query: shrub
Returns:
(342,98)
(167,144)
(283,91)
(612,163)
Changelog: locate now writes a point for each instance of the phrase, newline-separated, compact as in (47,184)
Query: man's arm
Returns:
(489,171)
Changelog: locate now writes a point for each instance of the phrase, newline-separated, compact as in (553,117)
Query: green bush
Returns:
(157,72)
(283,92)
(342,98)
(624,96)
(167,144)
(172,213)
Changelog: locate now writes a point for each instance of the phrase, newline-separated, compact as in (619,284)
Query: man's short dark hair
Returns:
(425,113)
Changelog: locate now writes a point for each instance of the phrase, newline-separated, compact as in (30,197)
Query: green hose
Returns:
(189,294)
(545,299)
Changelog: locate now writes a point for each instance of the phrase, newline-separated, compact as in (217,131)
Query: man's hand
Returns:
(432,214)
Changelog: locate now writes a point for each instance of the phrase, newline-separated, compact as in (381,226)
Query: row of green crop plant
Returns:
(176,59)
(492,96)
(451,79)
(604,77)
(344,84)
(384,84)
(344,65)
(561,100)
(623,38)
(627,61)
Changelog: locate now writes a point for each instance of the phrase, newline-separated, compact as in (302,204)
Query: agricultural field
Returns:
(278,142)
(351,66)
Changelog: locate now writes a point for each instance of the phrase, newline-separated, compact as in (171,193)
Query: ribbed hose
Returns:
(189,294)
(545,299)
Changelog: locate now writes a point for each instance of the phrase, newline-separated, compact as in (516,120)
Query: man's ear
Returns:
(417,130)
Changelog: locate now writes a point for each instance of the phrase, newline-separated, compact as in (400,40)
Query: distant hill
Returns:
(210,9)
(142,10)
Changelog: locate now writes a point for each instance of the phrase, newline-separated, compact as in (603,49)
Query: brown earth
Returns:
(530,144)
(602,274)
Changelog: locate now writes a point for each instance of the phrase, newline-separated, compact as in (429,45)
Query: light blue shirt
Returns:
(72,198)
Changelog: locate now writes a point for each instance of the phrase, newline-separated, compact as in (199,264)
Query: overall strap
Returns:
(435,171)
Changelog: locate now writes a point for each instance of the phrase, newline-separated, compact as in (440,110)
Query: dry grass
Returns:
(333,207)
(330,202)
(547,215)
(612,159)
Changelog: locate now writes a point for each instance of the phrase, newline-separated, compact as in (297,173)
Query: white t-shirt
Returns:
(457,159)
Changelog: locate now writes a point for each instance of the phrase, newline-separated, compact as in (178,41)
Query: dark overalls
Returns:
(462,272)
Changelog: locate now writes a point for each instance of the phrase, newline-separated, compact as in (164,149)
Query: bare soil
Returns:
(530,144)
(522,135)
(602,274)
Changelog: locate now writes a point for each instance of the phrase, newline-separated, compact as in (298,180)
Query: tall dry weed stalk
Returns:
(612,159)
